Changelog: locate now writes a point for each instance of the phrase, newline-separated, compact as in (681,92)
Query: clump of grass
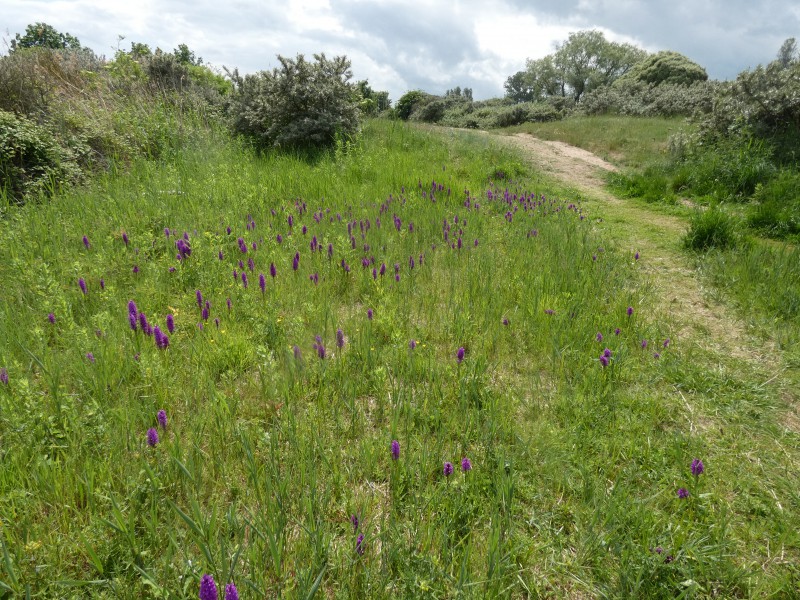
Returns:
(712,228)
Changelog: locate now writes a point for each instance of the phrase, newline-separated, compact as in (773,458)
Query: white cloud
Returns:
(427,44)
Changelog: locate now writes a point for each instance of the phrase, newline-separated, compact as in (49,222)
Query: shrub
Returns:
(302,104)
(432,112)
(667,67)
(639,99)
(711,228)
(31,160)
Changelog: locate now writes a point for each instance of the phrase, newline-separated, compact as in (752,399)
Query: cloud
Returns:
(428,44)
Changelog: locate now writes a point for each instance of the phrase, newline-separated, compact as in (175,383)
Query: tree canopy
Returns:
(42,35)
(583,62)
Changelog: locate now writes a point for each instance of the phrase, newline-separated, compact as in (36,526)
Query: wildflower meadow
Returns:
(412,367)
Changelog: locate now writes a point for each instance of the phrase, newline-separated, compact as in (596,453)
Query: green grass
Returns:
(267,455)
(624,141)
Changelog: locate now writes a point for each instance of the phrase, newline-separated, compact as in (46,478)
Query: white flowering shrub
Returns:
(301,104)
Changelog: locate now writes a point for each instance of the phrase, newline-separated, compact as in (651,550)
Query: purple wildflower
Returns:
(636,256)
(697,467)
(4,376)
(369,314)
(199,296)
(52,318)
(644,344)
(339,338)
(82,285)
(607,352)
(599,337)
(90,357)
(102,283)
(360,545)
(272,270)
(354,521)
(395,448)
(228,302)
(296,261)
(86,242)
(244,279)
(208,589)
(251,264)
(505,321)
(262,282)
(460,355)
(132,321)
(466,464)
(161,417)
(152,437)
(666,343)
(448,469)
(630,311)
(617,331)
(412,344)
(298,355)
(604,360)
(683,493)
(125,238)
(231,593)
(216,322)
(170,323)
(204,313)
(135,268)
(143,322)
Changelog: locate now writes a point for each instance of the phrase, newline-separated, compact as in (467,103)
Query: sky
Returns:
(432,45)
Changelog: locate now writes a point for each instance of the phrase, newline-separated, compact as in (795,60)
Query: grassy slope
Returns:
(625,141)
(575,466)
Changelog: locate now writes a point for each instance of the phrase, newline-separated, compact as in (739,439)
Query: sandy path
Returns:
(678,290)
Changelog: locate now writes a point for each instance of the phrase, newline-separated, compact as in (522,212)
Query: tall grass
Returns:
(270,450)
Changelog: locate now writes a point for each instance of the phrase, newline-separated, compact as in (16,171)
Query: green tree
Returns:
(301,104)
(583,62)
(42,35)
(407,102)
(788,53)
(186,56)
(586,61)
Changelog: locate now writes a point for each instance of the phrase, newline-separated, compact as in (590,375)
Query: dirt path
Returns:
(656,236)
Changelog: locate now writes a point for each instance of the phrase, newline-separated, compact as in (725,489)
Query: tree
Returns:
(788,53)
(667,67)
(581,63)
(186,56)
(586,61)
(42,35)
(407,102)
(301,104)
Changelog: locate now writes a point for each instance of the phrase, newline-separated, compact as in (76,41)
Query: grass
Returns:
(624,141)
(269,451)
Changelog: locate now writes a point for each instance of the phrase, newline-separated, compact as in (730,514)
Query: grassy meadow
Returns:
(293,317)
